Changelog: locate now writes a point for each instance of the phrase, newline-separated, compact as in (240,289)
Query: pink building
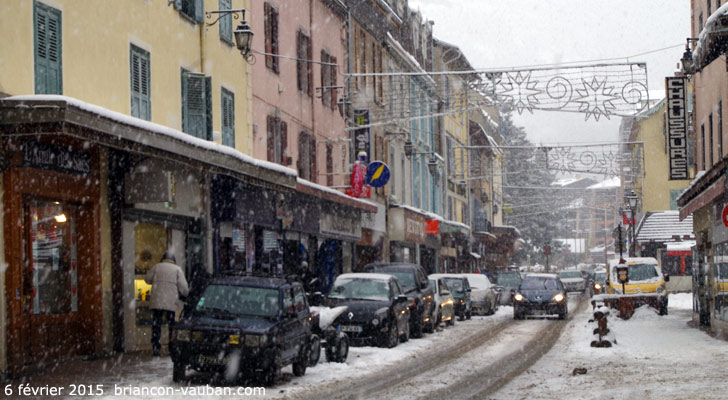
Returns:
(295,115)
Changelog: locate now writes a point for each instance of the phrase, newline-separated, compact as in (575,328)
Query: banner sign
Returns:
(677,126)
(362,140)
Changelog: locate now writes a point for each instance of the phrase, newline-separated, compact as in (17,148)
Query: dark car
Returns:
(507,282)
(600,278)
(378,308)
(416,286)
(249,326)
(460,289)
(540,294)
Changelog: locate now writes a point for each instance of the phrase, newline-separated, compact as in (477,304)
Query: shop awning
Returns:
(52,115)
(664,226)
(333,195)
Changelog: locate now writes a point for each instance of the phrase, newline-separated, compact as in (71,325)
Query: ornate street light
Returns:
(632,200)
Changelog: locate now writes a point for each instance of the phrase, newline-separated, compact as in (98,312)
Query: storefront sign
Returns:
(448,252)
(432,227)
(340,227)
(677,125)
(47,156)
(362,140)
(414,228)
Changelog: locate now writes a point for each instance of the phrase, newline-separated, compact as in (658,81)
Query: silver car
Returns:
(573,281)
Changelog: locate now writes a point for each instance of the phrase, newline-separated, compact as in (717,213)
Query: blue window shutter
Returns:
(194,104)
(226,22)
(140,86)
(208,108)
(48,50)
(228,118)
(199,11)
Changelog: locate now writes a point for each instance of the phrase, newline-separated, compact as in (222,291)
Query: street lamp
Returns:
(688,64)
(631,199)
(243,34)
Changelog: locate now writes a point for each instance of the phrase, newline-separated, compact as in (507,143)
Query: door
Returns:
(50,280)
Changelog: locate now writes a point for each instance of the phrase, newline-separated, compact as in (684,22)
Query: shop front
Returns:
(373,246)
(51,225)
(407,236)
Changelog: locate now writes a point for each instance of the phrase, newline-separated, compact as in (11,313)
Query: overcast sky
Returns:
(512,33)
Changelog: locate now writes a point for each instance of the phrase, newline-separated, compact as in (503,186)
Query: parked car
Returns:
(573,281)
(646,283)
(483,294)
(507,282)
(416,286)
(378,308)
(540,294)
(460,289)
(444,302)
(260,324)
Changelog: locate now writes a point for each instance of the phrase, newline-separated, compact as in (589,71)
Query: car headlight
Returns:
(518,297)
(597,286)
(559,297)
(182,335)
(255,340)
(661,288)
(375,321)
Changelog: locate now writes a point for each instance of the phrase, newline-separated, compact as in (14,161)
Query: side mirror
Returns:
(317,299)
(402,298)
(445,293)
(667,278)
(498,288)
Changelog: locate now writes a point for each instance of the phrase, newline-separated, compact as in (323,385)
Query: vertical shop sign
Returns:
(677,126)
(362,140)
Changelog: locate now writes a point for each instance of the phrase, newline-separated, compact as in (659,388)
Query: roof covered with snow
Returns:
(612,183)
(661,226)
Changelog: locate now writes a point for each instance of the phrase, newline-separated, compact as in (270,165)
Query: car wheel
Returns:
(299,366)
(564,313)
(438,320)
(451,321)
(433,321)
(406,335)
(416,331)
(179,372)
(517,314)
(469,313)
(315,350)
(338,351)
(663,309)
(271,373)
(393,335)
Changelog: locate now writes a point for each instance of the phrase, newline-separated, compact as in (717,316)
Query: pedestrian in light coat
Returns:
(168,283)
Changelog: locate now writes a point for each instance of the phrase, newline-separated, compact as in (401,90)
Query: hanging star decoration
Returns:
(596,98)
(521,92)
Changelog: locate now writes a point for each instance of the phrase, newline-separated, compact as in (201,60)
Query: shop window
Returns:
(48,50)
(52,270)
(720,283)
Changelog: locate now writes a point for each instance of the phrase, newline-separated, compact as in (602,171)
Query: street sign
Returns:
(724,215)
(377,174)
(622,274)
(547,250)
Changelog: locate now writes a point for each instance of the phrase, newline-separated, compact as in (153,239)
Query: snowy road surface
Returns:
(656,357)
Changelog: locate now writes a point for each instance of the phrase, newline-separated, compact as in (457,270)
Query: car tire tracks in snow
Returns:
(470,366)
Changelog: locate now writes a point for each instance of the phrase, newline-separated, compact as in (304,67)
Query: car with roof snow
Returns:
(573,280)
(416,286)
(646,284)
(378,309)
(244,326)
(445,311)
(540,294)
(460,289)
(483,294)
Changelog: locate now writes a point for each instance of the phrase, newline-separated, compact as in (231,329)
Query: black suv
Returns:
(413,280)
(246,327)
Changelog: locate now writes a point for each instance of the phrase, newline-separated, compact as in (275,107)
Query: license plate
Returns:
(211,360)
(350,328)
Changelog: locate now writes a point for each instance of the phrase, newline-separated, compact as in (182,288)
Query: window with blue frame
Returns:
(48,49)
(416,182)
(196,105)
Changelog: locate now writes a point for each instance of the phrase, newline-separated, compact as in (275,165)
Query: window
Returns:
(402,180)
(326,90)
(303,66)
(270,21)
(362,57)
(228,117)
(277,140)
(392,160)
(377,68)
(329,164)
(140,93)
(48,71)
(674,194)
(226,22)
(702,144)
(710,133)
(710,7)
(196,105)
(307,157)
(720,130)
(192,9)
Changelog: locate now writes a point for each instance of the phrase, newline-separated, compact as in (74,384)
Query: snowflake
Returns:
(521,92)
(596,98)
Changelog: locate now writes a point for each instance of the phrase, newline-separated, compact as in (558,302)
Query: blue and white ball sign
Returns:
(377,174)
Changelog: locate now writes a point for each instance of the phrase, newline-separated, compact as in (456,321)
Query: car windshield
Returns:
(508,280)
(570,274)
(600,276)
(723,271)
(231,300)
(406,279)
(360,289)
(539,283)
(455,284)
(640,272)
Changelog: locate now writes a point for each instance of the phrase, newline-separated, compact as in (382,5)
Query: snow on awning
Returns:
(115,129)
(664,226)
(334,195)
(686,245)
(714,25)
(475,255)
